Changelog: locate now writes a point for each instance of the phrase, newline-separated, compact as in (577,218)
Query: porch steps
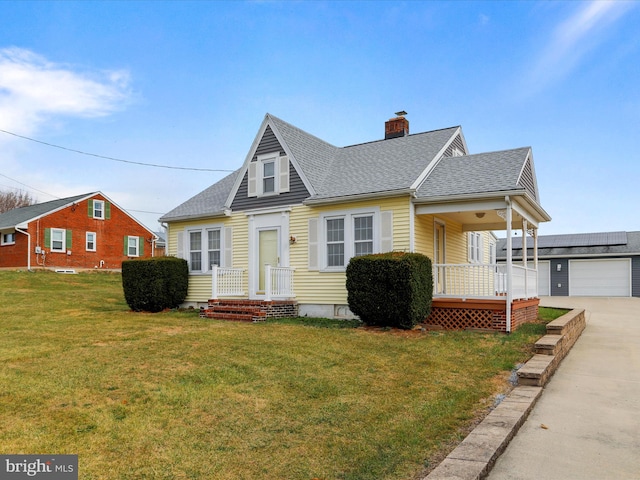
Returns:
(549,350)
(249,310)
(237,310)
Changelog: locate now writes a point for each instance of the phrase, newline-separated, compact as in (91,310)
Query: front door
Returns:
(267,254)
(268,245)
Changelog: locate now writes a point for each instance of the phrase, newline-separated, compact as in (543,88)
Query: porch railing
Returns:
(480,280)
(279,282)
(227,282)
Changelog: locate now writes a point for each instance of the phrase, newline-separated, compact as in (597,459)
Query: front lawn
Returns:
(171,395)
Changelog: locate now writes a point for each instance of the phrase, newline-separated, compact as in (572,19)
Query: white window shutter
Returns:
(313,244)
(386,231)
(284,174)
(470,247)
(228,247)
(180,245)
(480,249)
(253,179)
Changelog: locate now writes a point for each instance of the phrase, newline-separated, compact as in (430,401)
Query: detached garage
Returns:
(606,277)
(584,264)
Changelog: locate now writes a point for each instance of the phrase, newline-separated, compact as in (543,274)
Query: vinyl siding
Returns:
(200,284)
(559,279)
(317,287)
(296,194)
(635,277)
(455,239)
(456,143)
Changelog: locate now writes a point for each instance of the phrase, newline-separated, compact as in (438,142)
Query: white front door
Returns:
(268,245)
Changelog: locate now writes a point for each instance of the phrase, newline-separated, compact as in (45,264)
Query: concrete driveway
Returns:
(586,424)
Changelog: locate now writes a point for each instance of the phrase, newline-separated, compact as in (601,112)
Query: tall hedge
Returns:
(390,289)
(153,284)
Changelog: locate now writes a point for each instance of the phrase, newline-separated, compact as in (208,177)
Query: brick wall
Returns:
(110,235)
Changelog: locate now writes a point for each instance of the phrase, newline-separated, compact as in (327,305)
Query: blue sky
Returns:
(187,84)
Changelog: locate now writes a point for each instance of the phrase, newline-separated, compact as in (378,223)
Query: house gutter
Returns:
(221,213)
(358,197)
(28,246)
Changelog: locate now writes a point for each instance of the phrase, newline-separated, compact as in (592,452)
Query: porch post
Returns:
(267,283)
(214,282)
(535,260)
(525,250)
(509,264)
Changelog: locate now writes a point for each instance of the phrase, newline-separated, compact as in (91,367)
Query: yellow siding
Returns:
(455,239)
(200,284)
(317,287)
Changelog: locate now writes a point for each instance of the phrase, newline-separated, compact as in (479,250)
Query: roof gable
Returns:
(480,173)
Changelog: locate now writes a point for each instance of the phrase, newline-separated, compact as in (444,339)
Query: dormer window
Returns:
(268,175)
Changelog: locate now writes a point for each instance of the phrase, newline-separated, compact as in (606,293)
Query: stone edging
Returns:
(477,453)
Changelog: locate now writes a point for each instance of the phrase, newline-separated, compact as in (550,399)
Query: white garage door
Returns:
(602,278)
(543,279)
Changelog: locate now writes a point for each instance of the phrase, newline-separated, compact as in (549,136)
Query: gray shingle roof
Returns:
(21,215)
(576,244)
(479,173)
(382,166)
(376,167)
(210,201)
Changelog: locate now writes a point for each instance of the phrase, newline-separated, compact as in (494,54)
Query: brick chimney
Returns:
(396,127)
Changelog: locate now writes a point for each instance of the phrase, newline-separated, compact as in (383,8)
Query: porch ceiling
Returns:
(486,214)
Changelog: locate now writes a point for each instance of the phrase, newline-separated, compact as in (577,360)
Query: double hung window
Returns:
(58,239)
(91,242)
(205,249)
(8,238)
(346,236)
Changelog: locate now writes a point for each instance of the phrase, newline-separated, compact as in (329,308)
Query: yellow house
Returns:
(275,236)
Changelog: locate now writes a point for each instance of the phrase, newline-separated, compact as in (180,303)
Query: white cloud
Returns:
(573,39)
(34,90)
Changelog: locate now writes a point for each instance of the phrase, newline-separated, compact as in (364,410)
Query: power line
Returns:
(115,159)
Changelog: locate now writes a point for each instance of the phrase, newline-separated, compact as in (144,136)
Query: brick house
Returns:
(82,232)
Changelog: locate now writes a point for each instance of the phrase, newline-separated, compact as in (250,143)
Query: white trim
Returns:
(64,240)
(435,160)
(86,241)
(2,238)
(103,209)
(137,245)
(348,216)
(270,221)
(205,269)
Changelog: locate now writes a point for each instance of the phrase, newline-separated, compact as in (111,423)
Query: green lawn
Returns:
(173,396)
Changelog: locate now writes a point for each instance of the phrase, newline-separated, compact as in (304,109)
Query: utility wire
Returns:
(115,159)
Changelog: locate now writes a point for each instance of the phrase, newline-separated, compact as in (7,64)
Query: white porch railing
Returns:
(482,280)
(227,282)
(279,282)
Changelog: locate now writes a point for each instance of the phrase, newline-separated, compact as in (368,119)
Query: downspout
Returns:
(509,262)
(28,247)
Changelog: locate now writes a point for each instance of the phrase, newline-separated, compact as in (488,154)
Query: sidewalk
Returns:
(586,423)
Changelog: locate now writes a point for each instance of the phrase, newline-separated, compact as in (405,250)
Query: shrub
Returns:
(151,285)
(390,289)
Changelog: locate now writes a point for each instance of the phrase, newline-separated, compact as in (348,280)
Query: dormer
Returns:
(268,175)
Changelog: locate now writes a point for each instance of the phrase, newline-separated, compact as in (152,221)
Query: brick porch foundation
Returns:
(459,314)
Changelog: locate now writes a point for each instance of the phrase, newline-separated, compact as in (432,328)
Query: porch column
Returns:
(535,248)
(524,243)
(509,264)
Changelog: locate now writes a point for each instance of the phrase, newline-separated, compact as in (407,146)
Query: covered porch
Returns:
(484,294)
